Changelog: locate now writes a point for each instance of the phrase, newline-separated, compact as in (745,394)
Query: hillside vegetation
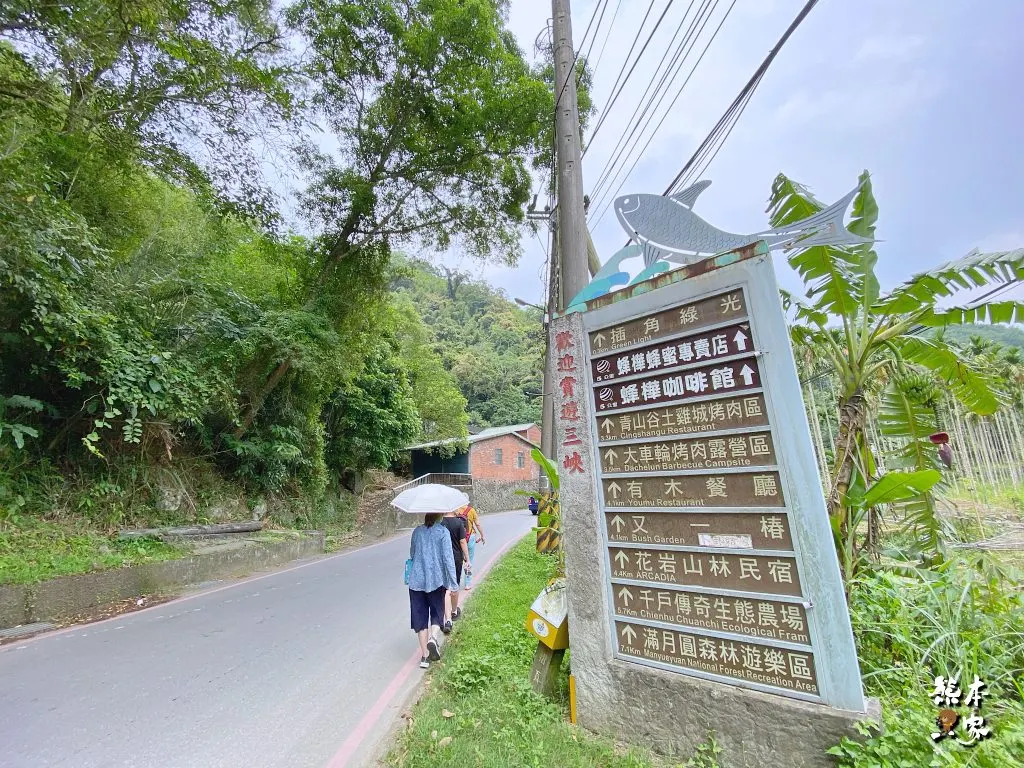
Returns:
(169,351)
(493,348)
(1003,335)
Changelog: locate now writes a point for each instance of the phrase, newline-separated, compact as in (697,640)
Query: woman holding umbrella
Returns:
(431,566)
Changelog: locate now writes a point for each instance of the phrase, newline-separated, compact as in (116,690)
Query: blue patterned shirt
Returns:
(433,563)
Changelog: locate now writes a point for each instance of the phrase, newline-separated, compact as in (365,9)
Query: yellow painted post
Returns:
(572,699)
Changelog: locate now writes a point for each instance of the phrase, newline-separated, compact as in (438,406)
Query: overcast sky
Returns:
(925,94)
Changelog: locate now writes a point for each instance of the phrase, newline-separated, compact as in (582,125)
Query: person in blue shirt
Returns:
(431,576)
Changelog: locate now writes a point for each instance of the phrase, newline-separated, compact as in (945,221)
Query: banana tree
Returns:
(873,341)
(549,518)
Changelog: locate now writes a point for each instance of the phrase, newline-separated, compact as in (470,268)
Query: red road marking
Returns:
(371,718)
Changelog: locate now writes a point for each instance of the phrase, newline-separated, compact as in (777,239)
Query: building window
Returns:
(497,455)
(521,460)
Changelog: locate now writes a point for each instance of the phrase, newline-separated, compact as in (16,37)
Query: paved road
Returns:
(275,672)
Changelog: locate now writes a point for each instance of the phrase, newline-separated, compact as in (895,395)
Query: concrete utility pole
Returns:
(547,435)
(571,222)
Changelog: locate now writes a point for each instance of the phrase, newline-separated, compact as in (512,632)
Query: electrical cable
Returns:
(604,7)
(620,82)
(747,90)
(593,70)
(644,102)
(668,111)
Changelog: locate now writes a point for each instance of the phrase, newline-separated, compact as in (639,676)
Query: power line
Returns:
(607,34)
(667,112)
(604,7)
(744,96)
(644,101)
(619,79)
(707,154)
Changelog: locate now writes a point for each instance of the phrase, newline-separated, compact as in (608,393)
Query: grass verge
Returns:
(479,709)
(36,550)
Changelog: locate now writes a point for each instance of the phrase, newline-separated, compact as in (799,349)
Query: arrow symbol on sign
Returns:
(622,559)
(614,489)
(626,596)
(607,425)
(741,340)
(629,633)
(748,375)
(618,522)
(611,456)
(599,340)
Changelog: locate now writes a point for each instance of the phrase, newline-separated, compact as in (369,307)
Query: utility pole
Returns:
(571,222)
(547,434)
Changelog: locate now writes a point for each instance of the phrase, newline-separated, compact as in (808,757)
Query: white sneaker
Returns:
(424,663)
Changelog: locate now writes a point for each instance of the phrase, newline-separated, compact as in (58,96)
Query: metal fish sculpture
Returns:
(668,229)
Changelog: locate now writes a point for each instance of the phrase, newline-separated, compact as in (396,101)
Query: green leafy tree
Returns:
(439,403)
(180,85)
(491,347)
(371,419)
(873,341)
(434,111)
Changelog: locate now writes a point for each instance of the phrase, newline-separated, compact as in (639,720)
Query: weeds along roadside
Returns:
(964,618)
(479,708)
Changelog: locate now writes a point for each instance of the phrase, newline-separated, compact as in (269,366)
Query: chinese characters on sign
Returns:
(947,695)
(740,659)
(712,379)
(668,355)
(727,530)
(742,450)
(754,489)
(750,573)
(683,426)
(567,352)
(766,619)
(681,319)
(727,413)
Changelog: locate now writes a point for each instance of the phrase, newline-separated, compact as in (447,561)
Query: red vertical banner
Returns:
(569,403)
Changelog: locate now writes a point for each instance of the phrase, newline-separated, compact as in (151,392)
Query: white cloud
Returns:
(889,47)
(878,102)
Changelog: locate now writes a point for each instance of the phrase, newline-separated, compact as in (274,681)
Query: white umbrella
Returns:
(430,499)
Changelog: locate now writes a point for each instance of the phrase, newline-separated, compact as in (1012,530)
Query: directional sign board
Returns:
(717,558)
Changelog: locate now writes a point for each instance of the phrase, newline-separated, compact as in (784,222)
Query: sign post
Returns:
(704,589)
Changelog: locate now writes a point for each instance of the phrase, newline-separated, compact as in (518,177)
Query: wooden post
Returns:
(544,672)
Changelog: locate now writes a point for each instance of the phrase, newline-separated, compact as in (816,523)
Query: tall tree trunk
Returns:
(342,247)
(257,402)
(852,418)
(1017,450)
(1005,452)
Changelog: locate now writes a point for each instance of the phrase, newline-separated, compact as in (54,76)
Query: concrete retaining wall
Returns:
(67,596)
(499,496)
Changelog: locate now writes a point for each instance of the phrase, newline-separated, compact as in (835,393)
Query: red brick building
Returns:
(503,453)
(498,458)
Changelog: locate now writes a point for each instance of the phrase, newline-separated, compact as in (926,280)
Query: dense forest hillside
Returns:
(1003,335)
(169,351)
(493,348)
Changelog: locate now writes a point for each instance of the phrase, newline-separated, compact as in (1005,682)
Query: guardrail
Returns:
(462,481)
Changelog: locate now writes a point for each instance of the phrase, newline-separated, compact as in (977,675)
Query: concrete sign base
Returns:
(674,715)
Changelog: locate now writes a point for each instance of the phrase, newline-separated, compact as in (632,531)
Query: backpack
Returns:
(464,514)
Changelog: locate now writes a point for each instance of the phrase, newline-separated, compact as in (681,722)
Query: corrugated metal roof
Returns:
(486,434)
